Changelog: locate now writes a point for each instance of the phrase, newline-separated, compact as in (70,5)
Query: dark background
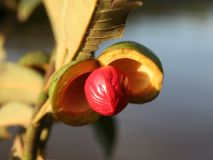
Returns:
(178,125)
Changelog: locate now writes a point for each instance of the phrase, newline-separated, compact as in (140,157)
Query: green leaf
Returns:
(15,113)
(37,59)
(18,83)
(4,133)
(105,132)
(26,8)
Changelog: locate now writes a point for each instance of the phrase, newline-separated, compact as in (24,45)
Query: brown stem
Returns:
(34,143)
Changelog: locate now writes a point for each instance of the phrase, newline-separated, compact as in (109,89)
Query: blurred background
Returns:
(178,125)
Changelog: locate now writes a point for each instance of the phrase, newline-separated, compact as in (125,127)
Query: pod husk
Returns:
(141,65)
(67,96)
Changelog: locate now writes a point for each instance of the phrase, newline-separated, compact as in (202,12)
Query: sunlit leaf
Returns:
(26,7)
(80,26)
(15,113)
(107,23)
(18,83)
(105,133)
(4,133)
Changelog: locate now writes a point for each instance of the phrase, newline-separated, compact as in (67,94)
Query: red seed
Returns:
(107,90)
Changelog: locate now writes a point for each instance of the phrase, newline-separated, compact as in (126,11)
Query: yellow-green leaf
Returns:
(18,83)
(108,23)
(26,7)
(81,25)
(15,113)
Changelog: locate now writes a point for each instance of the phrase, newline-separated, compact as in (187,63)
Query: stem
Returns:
(34,144)
(29,148)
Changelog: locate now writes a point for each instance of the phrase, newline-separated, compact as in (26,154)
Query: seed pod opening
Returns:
(67,95)
(141,65)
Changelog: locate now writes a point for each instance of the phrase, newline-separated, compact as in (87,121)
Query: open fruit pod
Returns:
(141,65)
(67,96)
(125,72)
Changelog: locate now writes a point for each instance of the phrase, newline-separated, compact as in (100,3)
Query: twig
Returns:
(34,143)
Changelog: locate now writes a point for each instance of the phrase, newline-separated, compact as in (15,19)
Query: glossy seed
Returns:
(107,90)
